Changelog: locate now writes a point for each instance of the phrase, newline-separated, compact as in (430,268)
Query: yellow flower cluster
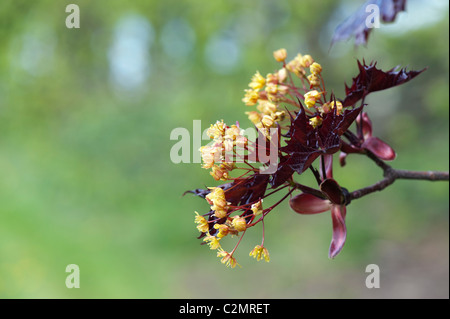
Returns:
(269,88)
(267,93)
(216,198)
(314,77)
(233,225)
(227,258)
(224,140)
(202,223)
(266,101)
(311,98)
(299,64)
(260,252)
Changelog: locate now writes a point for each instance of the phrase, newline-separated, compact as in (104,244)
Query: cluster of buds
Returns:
(221,223)
(219,154)
(277,88)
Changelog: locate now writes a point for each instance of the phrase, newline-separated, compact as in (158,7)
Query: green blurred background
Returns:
(86,176)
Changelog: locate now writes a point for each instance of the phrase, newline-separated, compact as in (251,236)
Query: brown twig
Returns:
(391,175)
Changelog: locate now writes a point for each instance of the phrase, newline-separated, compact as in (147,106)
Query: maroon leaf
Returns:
(379,148)
(283,173)
(307,144)
(334,124)
(333,191)
(255,187)
(338,213)
(242,190)
(309,204)
(370,79)
(356,25)
(374,144)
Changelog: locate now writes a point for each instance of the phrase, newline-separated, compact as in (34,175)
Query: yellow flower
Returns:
(267,121)
(271,88)
(216,198)
(338,106)
(213,242)
(223,230)
(251,97)
(266,107)
(315,68)
(215,194)
(228,144)
(314,80)
(282,75)
(315,121)
(219,212)
(227,258)
(239,223)
(217,130)
(298,64)
(279,116)
(257,208)
(260,252)
(280,55)
(271,78)
(311,97)
(202,226)
(218,173)
(210,155)
(254,116)
(295,67)
(258,81)
(283,89)
(306,61)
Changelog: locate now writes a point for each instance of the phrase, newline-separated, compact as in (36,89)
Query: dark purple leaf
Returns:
(300,161)
(255,188)
(370,79)
(283,173)
(307,144)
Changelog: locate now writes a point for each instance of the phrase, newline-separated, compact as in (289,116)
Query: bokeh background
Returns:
(86,177)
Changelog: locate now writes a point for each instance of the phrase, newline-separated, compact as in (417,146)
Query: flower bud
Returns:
(239,223)
(280,55)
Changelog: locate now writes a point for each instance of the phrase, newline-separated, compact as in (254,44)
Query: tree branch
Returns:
(391,175)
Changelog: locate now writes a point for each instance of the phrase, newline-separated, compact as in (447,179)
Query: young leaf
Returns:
(370,79)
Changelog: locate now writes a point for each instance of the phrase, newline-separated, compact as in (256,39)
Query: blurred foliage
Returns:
(86,172)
